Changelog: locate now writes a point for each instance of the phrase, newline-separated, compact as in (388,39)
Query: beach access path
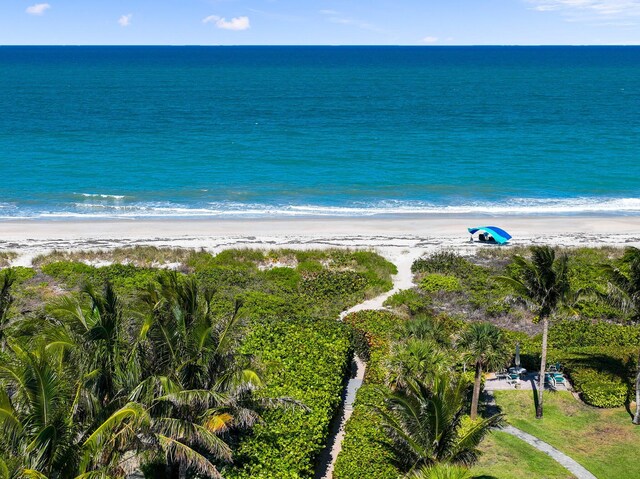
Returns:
(402,280)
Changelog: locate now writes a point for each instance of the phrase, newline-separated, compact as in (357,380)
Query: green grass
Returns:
(602,440)
(507,457)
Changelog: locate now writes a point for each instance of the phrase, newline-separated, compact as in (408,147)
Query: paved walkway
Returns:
(565,461)
(561,458)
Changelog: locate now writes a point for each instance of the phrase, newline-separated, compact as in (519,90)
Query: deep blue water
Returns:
(170,131)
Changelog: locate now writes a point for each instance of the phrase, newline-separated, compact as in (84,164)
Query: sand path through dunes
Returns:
(403,259)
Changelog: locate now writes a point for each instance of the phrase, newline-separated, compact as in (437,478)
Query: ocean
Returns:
(318,131)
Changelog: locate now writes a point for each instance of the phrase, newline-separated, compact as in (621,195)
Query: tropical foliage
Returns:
(425,421)
(542,281)
(110,370)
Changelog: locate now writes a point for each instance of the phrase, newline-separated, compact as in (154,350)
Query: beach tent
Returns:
(499,235)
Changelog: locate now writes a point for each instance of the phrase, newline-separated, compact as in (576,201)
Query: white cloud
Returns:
(329,12)
(38,9)
(236,23)
(429,39)
(125,20)
(590,10)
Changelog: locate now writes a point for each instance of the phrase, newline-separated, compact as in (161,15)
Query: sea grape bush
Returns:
(436,283)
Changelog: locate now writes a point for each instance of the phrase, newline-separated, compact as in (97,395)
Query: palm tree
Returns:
(442,471)
(625,292)
(6,300)
(424,422)
(417,358)
(425,326)
(35,412)
(160,390)
(484,345)
(99,332)
(542,281)
(193,371)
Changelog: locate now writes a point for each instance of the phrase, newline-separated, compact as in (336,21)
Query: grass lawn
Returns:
(602,440)
(507,457)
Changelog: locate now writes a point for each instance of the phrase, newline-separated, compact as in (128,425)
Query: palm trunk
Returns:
(476,391)
(543,366)
(636,417)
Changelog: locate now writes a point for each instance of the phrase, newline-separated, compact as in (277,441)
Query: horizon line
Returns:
(329,45)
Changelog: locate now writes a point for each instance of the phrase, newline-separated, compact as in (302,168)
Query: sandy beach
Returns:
(393,237)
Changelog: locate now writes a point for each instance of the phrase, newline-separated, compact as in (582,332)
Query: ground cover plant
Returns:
(226,363)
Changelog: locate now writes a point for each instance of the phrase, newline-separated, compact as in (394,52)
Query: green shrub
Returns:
(373,331)
(70,273)
(365,450)
(434,283)
(282,279)
(23,274)
(414,300)
(306,361)
(582,333)
(600,389)
(326,283)
(443,262)
(310,266)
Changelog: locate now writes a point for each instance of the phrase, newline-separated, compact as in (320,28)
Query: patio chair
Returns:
(549,380)
(513,379)
(502,374)
(560,379)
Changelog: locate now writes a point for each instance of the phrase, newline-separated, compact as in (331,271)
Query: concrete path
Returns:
(565,461)
(561,458)
(402,280)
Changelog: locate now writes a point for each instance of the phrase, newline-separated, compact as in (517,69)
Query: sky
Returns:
(319,22)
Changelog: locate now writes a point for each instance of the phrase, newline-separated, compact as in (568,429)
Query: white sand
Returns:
(400,239)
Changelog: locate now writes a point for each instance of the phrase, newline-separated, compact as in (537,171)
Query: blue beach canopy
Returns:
(498,234)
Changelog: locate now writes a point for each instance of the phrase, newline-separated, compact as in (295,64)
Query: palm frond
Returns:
(176,451)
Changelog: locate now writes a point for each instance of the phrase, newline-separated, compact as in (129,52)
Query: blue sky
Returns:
(325,22)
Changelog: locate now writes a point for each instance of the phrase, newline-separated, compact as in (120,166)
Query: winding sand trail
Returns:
(402,280)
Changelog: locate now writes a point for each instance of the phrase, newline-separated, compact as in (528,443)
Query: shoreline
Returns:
(398,239)
(417,225)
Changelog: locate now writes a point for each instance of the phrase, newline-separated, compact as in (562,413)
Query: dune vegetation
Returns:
(179,363)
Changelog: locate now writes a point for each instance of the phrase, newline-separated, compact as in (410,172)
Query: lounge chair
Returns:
(550,380)
(560,379)
(513,379)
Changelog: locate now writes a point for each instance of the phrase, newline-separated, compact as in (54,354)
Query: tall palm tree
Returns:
(543,282)
(483,344)
(625,292)
(424,422)
(98,329)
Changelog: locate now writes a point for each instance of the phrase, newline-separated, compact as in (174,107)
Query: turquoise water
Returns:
(254,131)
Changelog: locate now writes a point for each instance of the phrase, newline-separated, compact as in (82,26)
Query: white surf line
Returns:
(402,280)
(561,458)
